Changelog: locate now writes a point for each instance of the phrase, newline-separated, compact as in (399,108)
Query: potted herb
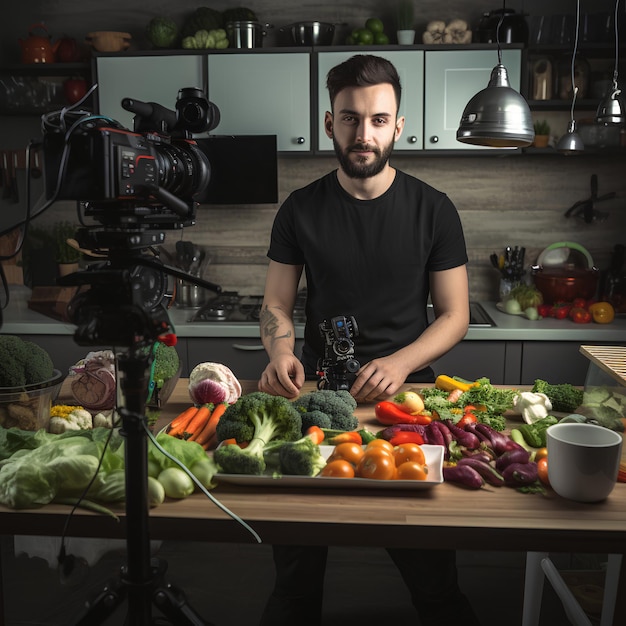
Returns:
(542,134)
(404,18)
(66,256)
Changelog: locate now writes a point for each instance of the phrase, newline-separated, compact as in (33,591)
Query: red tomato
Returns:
(412,471)
(377,465)
(542,470)
(579,302)
(338,469)
(580,315)
(405,436)
(468,418)
(351,452)
(545,310)
(74,89)
(561,311)
(409,452)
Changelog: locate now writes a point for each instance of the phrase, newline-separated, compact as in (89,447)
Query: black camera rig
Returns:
(338,361)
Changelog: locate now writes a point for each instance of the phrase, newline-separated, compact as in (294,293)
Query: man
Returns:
(374,243)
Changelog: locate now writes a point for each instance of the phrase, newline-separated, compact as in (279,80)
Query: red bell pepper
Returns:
(406,436)
(388,413)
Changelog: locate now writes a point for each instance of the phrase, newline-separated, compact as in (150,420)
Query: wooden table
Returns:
(445,516)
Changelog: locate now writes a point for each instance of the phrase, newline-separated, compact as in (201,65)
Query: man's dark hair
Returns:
(362,70)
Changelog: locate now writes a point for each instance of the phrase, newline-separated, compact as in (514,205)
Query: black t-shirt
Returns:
(369,259)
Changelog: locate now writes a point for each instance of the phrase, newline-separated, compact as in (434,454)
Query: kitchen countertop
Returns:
(20,320)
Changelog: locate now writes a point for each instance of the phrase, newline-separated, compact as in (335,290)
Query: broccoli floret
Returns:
(315,418)
(338,405)
(257,418)
(166,363)
(295,458)
(23,362)
(564,397)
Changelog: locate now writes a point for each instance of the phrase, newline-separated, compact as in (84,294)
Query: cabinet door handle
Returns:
(434,139)
(248,348)
(300,140)
(412,139)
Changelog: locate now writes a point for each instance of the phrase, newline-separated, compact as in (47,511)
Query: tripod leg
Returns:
(104,605)
(173,604)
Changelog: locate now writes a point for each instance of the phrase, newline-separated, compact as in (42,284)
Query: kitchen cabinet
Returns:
(149,78)
(475,359)
(410,66)
(452,78)
(263,94)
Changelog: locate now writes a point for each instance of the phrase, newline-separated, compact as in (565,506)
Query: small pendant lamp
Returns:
(498,116)
(570,142)
(612,109)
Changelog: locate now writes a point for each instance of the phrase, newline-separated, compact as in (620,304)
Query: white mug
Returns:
(583,460)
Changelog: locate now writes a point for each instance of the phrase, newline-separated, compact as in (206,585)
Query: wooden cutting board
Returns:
(610,359)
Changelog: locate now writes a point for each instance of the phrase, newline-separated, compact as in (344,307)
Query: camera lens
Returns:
(184,169)
(343,346)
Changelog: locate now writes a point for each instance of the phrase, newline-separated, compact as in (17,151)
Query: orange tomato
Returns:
(602,312)
(541,453)
(378,444)
(409,470)
(542,470)
(409,452)
(379,465)
(351,452)
(340,468)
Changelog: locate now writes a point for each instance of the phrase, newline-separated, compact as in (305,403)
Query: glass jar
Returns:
(582,73)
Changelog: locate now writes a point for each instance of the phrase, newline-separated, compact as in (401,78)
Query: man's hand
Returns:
(379,379)
(284,376)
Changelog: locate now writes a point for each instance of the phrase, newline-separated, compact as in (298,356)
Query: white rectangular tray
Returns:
(434,460)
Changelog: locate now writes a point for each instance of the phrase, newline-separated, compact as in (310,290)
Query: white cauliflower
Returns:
(77,419)
(532,406)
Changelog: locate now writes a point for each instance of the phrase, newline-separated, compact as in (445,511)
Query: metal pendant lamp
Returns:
(498,116)
(570,142)
(612,109)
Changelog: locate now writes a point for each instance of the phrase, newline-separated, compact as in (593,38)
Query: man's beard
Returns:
(360,169)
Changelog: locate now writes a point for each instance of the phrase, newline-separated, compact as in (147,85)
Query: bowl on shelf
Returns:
(108,40)
(28,407)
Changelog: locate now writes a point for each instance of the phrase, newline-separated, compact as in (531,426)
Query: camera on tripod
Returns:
(338,361)
(133,185)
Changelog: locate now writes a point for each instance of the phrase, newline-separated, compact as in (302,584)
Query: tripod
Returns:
(113,315)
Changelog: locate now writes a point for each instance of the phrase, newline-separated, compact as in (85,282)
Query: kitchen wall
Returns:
(502,200)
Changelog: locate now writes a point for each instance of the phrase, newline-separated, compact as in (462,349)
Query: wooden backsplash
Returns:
(501,200)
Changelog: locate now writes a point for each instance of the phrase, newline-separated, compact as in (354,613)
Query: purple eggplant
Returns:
(446,434)
(520,474)
(487,471)
(463,475)
(481,455)
(463,437)
(499,442)
(512,456)
(473,429)
(434,436)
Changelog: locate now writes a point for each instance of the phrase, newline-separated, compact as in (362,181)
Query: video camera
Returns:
(338,361)
(133,185)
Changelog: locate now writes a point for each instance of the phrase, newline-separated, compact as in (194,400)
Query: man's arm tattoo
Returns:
(269,325)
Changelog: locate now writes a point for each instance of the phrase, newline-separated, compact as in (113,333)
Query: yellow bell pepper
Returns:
(447,383)
(602,312)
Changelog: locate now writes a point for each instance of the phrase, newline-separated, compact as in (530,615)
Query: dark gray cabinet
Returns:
(474,359)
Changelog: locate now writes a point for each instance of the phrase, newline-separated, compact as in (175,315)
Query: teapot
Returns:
(38,48)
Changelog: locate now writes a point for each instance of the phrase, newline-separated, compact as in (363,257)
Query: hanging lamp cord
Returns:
(574,88)
(498,31)
(615,87)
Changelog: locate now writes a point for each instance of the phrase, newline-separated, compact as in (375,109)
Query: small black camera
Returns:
(338,361)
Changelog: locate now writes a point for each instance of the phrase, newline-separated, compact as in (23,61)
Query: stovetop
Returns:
(232,307)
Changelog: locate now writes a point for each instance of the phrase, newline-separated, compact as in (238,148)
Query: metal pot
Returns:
(311,33)
(564,284)
(246,34)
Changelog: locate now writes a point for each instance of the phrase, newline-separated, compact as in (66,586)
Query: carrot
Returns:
(208,432)
(198,421)
(315,433)
(178,424)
